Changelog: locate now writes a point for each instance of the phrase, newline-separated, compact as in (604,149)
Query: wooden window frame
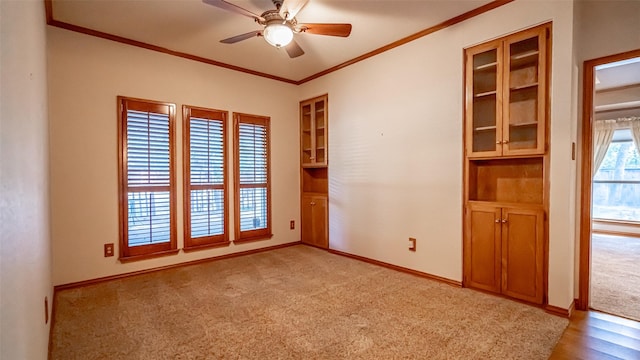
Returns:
(260,234)
(140,252)
(214,240)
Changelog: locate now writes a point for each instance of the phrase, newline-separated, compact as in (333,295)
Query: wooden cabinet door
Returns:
(482,247)
(314,230)
(483,109)
(524,93)
(523,254)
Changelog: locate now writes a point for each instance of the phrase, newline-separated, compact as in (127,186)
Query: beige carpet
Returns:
(294,303)
(615,275)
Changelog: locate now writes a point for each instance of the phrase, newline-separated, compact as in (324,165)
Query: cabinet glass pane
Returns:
(484,100)
(306,134)
(523,94)
(320,132)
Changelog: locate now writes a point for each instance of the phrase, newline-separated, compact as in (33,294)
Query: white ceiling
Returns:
(193,27)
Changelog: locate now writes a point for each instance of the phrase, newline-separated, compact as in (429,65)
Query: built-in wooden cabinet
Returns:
(314,172)
(506,165)
(313,131)
(506,95)
(505,250)
(314,220)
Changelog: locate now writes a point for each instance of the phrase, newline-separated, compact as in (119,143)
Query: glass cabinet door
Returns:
(313,132)
(484,133)
(306,134)
(524,109)
(320,132)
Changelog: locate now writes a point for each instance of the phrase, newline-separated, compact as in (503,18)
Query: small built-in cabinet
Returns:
(506,95)
(506,165)
(505,250)
(314,172)
(313,131)
(314,220)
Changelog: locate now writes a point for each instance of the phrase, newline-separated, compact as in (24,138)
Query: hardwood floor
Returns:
(595,335)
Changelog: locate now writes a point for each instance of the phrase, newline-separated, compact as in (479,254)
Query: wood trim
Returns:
(78,284)
(396,267)
(562,312)
(188,249)
(445,24)
(151,255)
(586,173)
(622,108)
(450,22)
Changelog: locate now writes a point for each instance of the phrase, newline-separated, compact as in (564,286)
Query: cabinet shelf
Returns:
(485,67)
(485,128)
(523,87)
(486,93)
(525,55)
(530,123)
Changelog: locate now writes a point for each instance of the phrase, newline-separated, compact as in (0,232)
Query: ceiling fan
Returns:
(280,25)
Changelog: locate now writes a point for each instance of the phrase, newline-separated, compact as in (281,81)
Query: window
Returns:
(252,178)
(147,179)
(616,185)
(205,190)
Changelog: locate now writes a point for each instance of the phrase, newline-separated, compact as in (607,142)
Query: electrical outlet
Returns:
(108,250)
(292,224)
(413,244)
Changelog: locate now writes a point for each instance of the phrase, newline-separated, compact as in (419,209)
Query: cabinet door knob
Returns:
(312,203)
(497,221)
(504,221)
(505,141)
(498,142)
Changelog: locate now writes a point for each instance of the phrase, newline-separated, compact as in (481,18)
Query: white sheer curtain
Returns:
(635,131)
(602,134)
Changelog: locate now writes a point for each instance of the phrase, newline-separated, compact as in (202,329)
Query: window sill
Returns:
(128,259)
(188,249)
(252,239)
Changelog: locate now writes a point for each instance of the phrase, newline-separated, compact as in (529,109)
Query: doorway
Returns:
(610,205)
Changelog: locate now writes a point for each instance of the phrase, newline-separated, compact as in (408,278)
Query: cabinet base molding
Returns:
(398,268)
(556,310)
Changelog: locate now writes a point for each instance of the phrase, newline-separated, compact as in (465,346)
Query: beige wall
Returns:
(602,28)
(85,76)
(25,266)
(395,140)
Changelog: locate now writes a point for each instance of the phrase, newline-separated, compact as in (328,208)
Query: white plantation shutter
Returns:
(147,177)
(252,169)
(205,176)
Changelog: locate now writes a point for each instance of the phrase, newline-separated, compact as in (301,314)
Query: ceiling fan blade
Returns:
(237,38)
(233,8)
(290,8)
(342,30)
(293,49)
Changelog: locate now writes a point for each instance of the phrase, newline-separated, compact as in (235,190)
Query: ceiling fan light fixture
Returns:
(278,34)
